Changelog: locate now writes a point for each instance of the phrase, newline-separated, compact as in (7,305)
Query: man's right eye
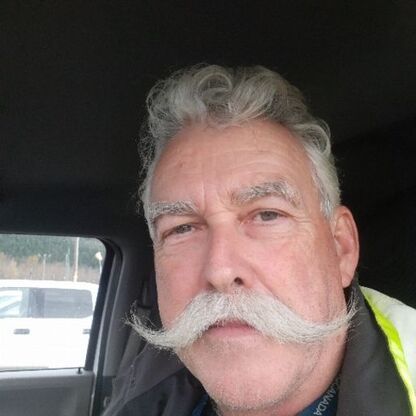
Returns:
(181,229)
(178,230)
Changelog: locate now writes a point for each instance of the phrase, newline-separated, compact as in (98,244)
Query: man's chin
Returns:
(248,371)
(247,399)
(238,391)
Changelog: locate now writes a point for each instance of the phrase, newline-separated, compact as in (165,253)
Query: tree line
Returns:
(52,249)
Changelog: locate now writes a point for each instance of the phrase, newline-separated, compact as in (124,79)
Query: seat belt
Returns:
(135,343)
(133,346)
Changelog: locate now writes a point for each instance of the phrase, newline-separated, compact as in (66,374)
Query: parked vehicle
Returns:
(44,324)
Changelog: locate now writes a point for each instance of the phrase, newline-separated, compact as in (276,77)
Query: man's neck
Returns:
(321,379)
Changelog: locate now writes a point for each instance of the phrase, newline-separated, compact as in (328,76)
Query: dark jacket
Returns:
(157,383)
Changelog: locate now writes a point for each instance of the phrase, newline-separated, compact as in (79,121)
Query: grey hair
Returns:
(223,97)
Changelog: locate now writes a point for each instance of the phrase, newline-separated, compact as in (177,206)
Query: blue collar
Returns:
(326,405)
(200,407)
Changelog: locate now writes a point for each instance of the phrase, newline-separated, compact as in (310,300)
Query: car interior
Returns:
(73,80)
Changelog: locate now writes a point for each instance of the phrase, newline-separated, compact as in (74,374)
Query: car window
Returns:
(12,302)
(65,303)
(48,290)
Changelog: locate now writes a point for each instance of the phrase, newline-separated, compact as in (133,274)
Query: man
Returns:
(255,261)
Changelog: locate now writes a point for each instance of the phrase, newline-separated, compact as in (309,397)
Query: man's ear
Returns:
(344,231)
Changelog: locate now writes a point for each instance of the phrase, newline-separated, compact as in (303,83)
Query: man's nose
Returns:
(227,266)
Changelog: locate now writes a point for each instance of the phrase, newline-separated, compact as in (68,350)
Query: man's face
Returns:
(255,224)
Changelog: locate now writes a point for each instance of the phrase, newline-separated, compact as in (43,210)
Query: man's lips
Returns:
(231,328)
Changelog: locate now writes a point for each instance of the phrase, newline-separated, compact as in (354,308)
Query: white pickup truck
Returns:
(44,323)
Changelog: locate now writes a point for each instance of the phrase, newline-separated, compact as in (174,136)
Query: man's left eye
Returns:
(268,215)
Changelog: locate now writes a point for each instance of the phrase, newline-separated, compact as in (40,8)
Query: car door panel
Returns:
(64,392)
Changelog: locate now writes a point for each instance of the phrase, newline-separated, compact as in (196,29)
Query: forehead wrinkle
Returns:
(277,188)
(160,208)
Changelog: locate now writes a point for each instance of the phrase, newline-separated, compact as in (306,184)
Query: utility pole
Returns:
(43,266)
(67,266)
(99,257)
(76,257)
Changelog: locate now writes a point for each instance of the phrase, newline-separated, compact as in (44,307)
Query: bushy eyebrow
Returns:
(238,197)
(157,209)
(279,188)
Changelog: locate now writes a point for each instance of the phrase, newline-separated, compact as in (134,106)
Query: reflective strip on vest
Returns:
(398,322)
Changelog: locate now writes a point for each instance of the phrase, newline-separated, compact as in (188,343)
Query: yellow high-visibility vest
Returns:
(398,323)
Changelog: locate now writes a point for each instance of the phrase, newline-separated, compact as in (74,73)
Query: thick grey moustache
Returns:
(265,313)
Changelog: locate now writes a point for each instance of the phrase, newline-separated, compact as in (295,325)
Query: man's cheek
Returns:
(169,307)
(175,289)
